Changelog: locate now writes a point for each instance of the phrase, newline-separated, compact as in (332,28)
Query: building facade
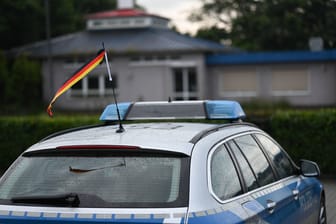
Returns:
(301,78)
(149,61)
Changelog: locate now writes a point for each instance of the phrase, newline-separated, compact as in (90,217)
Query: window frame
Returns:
(239,93)
(182,199)
(187,73)
(239,170)
(291,92)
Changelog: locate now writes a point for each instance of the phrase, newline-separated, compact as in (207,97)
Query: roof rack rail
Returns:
(206,132)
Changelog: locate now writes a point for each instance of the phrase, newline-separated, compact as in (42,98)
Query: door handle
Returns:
(270,206)
(296,194)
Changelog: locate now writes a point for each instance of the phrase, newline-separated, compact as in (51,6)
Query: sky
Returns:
(176,10)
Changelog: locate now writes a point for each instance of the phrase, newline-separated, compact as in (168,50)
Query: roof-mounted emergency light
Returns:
(110,113)
(208,109)
(230,110)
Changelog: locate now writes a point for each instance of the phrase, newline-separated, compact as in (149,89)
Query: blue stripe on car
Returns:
(202,218)
(68,218)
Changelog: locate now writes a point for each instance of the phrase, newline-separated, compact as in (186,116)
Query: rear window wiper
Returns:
(76,170)
(71,199)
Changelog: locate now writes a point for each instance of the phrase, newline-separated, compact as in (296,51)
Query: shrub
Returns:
(20,85)
(19,132)
(307,135)
(303,134)
(3,77)
(25,82)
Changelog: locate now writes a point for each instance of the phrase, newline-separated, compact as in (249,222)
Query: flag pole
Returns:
(121,128)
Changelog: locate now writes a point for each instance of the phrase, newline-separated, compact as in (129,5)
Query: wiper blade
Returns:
(76,170)
(70,199)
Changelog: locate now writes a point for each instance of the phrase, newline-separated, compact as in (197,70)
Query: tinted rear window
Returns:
(148,180)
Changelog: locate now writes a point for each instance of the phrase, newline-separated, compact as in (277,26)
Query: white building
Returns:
(149,61)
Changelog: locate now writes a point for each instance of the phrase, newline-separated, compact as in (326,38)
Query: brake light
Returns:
(98,147)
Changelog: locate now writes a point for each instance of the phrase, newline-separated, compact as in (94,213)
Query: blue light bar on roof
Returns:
(110,112)
(223,109)
(210,109)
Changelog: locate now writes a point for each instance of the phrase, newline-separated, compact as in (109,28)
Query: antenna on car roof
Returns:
(121,128)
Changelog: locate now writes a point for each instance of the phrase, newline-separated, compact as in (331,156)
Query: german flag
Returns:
(78,75)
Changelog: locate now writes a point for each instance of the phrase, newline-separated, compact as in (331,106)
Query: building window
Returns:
(77,87)
(290,82)
(139,21)
(74,62)
(108,84)
(238,84)
(125,22)
(150,59)
(185,83)
(97,23)
(94,86)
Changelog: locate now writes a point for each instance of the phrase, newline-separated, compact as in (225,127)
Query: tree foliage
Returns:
(20,83)
(24,21)
(24,82)
(20,22)
(3,77)
(273,24)
(213,33)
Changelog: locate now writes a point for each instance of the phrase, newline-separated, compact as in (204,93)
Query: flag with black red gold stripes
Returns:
(77,76)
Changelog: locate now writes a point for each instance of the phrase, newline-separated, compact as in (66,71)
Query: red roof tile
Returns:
(120,13)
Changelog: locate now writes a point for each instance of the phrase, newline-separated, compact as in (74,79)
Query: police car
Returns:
(175,172)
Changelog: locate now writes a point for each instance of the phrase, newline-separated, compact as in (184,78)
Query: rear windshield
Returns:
(109,180)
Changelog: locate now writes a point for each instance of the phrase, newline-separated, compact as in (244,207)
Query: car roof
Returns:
(169,136)
(177,137)
(166,135)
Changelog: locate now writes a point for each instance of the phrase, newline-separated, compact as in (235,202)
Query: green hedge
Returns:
(304,134)
(308,135)
(18,133)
